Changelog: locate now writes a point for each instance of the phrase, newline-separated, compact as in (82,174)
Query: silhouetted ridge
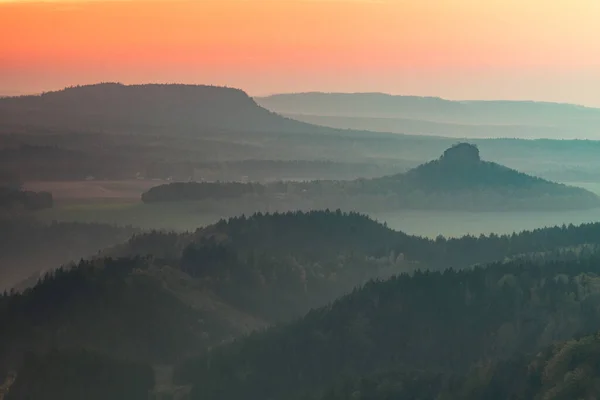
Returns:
(433,108)
(141,108)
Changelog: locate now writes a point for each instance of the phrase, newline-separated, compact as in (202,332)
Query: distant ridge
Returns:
(370,103)
(437,116)
(167,108)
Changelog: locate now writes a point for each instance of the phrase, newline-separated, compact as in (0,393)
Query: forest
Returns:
(439,322)
(348,306)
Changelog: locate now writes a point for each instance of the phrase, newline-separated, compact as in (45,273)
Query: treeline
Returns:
(113,306)
(15,199)
(316,236)
(445,185)
(278,266)
(80,374)
(439,322)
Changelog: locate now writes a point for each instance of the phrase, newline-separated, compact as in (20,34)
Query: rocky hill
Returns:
(460,179)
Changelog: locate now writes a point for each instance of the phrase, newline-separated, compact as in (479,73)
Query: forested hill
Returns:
(458,180)
(460,168)
(152,108)
(443,323)
(323,239)
(164,296)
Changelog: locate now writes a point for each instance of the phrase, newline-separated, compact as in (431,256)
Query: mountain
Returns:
(153,108)
(461,170)
(437,322)
(458,180)
(162,296)
(436,116)
(177,130)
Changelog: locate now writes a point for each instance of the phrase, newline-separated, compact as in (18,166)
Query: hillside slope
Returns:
(435,322)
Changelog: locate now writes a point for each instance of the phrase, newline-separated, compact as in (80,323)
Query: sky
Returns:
(459,49)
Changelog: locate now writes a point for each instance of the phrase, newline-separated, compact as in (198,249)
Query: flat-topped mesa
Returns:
(461,153)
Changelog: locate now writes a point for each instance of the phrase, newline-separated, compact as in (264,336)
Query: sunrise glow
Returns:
(538,49)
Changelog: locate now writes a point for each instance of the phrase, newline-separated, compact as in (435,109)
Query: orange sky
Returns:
(534,49)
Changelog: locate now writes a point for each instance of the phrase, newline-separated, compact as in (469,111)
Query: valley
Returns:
(183,241)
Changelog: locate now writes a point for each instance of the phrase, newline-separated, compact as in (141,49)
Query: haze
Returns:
(458,49)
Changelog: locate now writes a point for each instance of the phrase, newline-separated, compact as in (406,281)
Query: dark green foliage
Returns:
(439,322)
(112,306)
(564,371)
(197,290)
(77,375)
(322,236)
(278,266)
(384,385)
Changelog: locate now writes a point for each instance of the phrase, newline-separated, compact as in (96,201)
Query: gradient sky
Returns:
(459,49)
